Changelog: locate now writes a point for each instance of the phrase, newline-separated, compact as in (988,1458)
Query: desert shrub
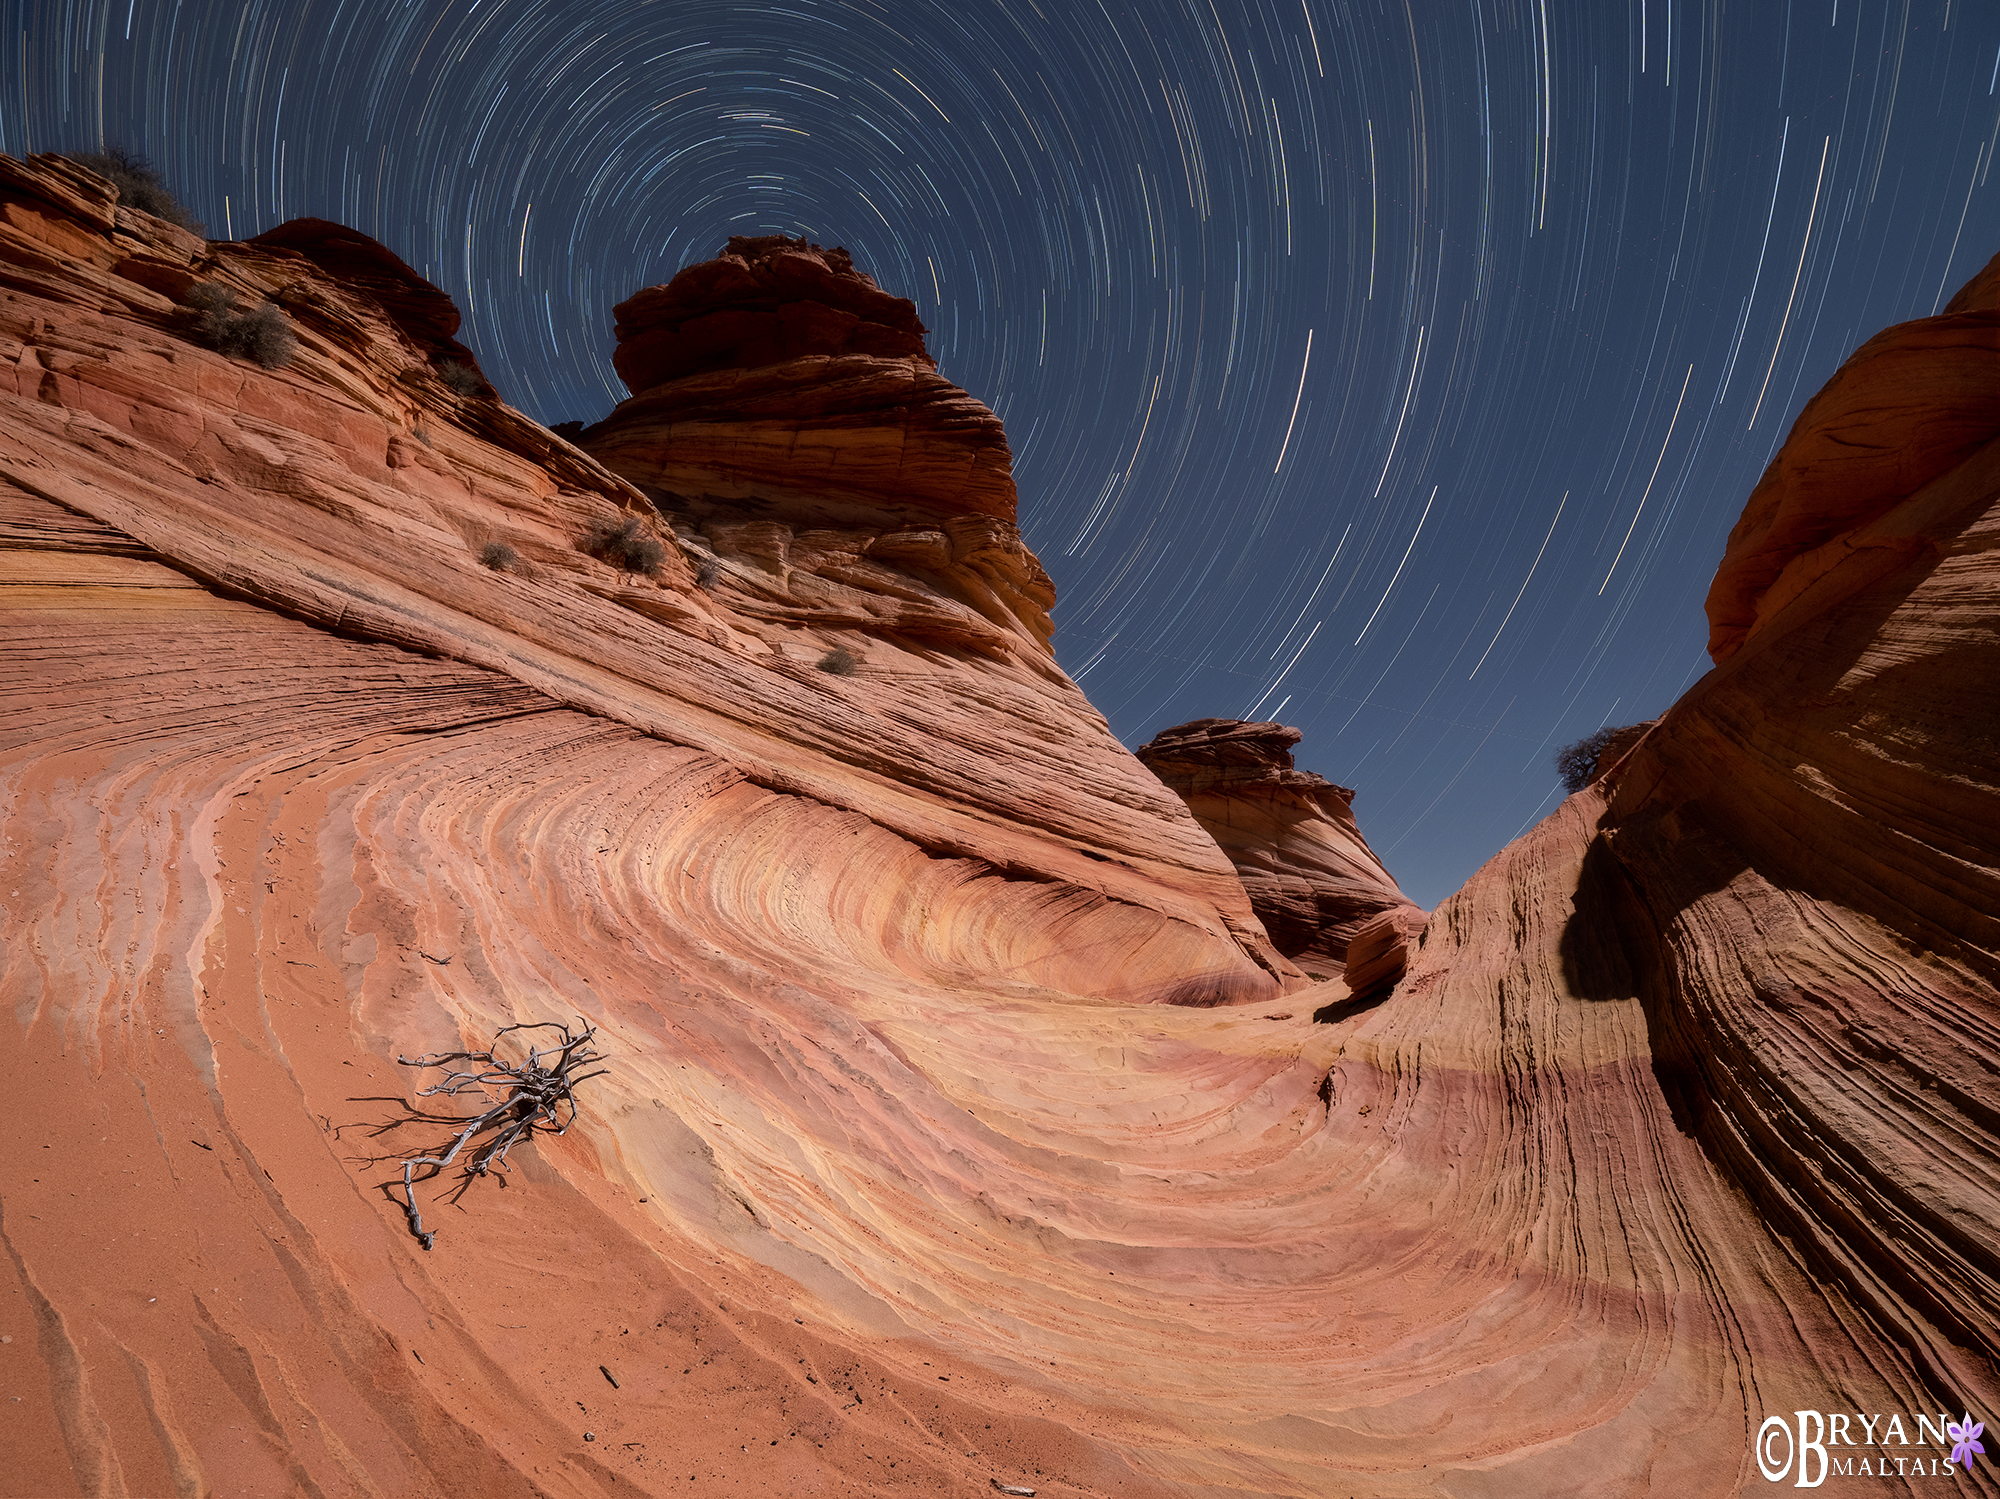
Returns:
(708,573)
(839,662)
(499,556)
(1577,763)
(139,186)
(626,545)
(461,377)
(263,335)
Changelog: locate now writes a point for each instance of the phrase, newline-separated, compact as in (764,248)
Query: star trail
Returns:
(1393,368)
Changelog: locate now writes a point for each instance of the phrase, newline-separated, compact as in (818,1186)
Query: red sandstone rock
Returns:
(1312,878)
(1909,405)
(764,300)
(361,265)
(779,371)
(1679,1118)
(1799,866)
(1379,950)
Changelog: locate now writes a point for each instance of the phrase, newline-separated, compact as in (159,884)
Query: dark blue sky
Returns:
(1395,370)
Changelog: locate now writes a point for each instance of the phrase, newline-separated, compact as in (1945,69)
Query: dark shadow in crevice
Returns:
(1353,1005)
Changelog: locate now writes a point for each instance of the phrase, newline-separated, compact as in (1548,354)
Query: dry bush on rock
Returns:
(626,545)
(263,335)
(1577,763)
(461,377)
(139,185)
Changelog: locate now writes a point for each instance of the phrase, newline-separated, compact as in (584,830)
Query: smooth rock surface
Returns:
(1682,1116)
(1378,954)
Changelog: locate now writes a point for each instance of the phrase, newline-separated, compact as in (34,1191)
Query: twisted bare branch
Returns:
(534,1095)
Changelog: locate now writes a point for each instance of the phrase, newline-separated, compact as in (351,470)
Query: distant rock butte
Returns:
(1312,878)
(777,368)
(903,1179)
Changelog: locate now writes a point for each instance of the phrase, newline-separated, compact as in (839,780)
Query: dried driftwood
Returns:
(534,1095)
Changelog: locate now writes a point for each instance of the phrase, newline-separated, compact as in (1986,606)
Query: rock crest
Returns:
(1908,406)
(1312,878)
(778,369)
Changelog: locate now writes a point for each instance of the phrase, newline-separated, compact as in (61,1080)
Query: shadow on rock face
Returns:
(1353,1005)
(1608,920)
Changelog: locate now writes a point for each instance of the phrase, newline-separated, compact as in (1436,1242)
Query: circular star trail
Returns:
(1395,370)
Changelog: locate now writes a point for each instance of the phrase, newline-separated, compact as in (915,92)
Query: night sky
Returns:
(1395,370)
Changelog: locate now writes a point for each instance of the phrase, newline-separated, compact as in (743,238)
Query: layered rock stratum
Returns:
(1311,877)
(962,1122)
(1910,405)
(777,373)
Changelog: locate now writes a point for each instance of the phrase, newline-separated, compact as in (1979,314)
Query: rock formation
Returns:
(1911,404)
(1311,877)
(899,1182)
(778,371)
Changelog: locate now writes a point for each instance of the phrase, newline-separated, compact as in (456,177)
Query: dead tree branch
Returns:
(533,1095)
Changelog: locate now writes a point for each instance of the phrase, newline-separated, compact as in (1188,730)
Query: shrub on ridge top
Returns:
(139,185)
(461,377)
(1577,763)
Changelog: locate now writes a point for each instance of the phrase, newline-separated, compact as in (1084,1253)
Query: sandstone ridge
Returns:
(963,1126)
(1909,405)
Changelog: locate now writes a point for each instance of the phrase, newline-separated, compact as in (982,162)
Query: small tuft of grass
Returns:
(499,556)
(626,545)
(839,662)
(263,335)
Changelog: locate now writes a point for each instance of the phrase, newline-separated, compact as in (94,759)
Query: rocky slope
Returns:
(899,1181)
(1312,878)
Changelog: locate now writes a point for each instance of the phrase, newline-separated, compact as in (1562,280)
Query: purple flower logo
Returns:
(1966,1433)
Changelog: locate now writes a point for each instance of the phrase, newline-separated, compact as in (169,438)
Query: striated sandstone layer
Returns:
(1682,1115)
(1908,406)
(1311,877)
(777,371)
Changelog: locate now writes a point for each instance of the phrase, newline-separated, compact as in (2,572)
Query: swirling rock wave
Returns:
(901,1180)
